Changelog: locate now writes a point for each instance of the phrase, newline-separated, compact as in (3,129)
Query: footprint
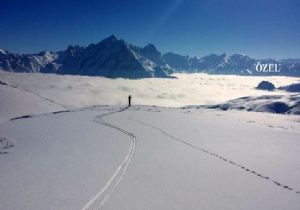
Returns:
(277,183)
(6,145)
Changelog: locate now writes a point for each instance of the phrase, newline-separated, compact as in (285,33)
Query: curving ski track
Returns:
(218,156)
(99,199)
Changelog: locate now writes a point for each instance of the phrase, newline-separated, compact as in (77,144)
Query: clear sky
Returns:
(258,28)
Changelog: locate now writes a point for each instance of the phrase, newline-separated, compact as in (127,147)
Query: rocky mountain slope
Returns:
(235,64)
(110,58)
(114,58)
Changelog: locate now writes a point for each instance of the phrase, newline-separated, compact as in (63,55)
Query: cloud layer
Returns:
(188,89)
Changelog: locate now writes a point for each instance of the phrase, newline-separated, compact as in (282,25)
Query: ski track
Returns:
(267,178)
(99,199)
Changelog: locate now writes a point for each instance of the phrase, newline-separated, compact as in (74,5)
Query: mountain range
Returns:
(115,58)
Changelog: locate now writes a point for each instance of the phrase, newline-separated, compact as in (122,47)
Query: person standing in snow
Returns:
(129,100)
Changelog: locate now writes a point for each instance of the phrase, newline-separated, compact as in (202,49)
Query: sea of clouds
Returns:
(187,89)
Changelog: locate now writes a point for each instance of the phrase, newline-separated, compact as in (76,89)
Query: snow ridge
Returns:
(35,94)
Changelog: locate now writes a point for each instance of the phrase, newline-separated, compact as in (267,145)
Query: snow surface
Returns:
(59,156)
(70,160)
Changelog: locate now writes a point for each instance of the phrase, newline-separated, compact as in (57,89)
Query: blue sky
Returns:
(258,28)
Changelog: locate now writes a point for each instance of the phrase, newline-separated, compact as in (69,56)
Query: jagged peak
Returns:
(210,55)
(111,38)
(74,48)
(45,52)
(172,53)
(3,51)
(71,47)
(150,47)
(238,55)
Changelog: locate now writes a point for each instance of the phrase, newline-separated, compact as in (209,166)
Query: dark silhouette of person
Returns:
(129,100)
